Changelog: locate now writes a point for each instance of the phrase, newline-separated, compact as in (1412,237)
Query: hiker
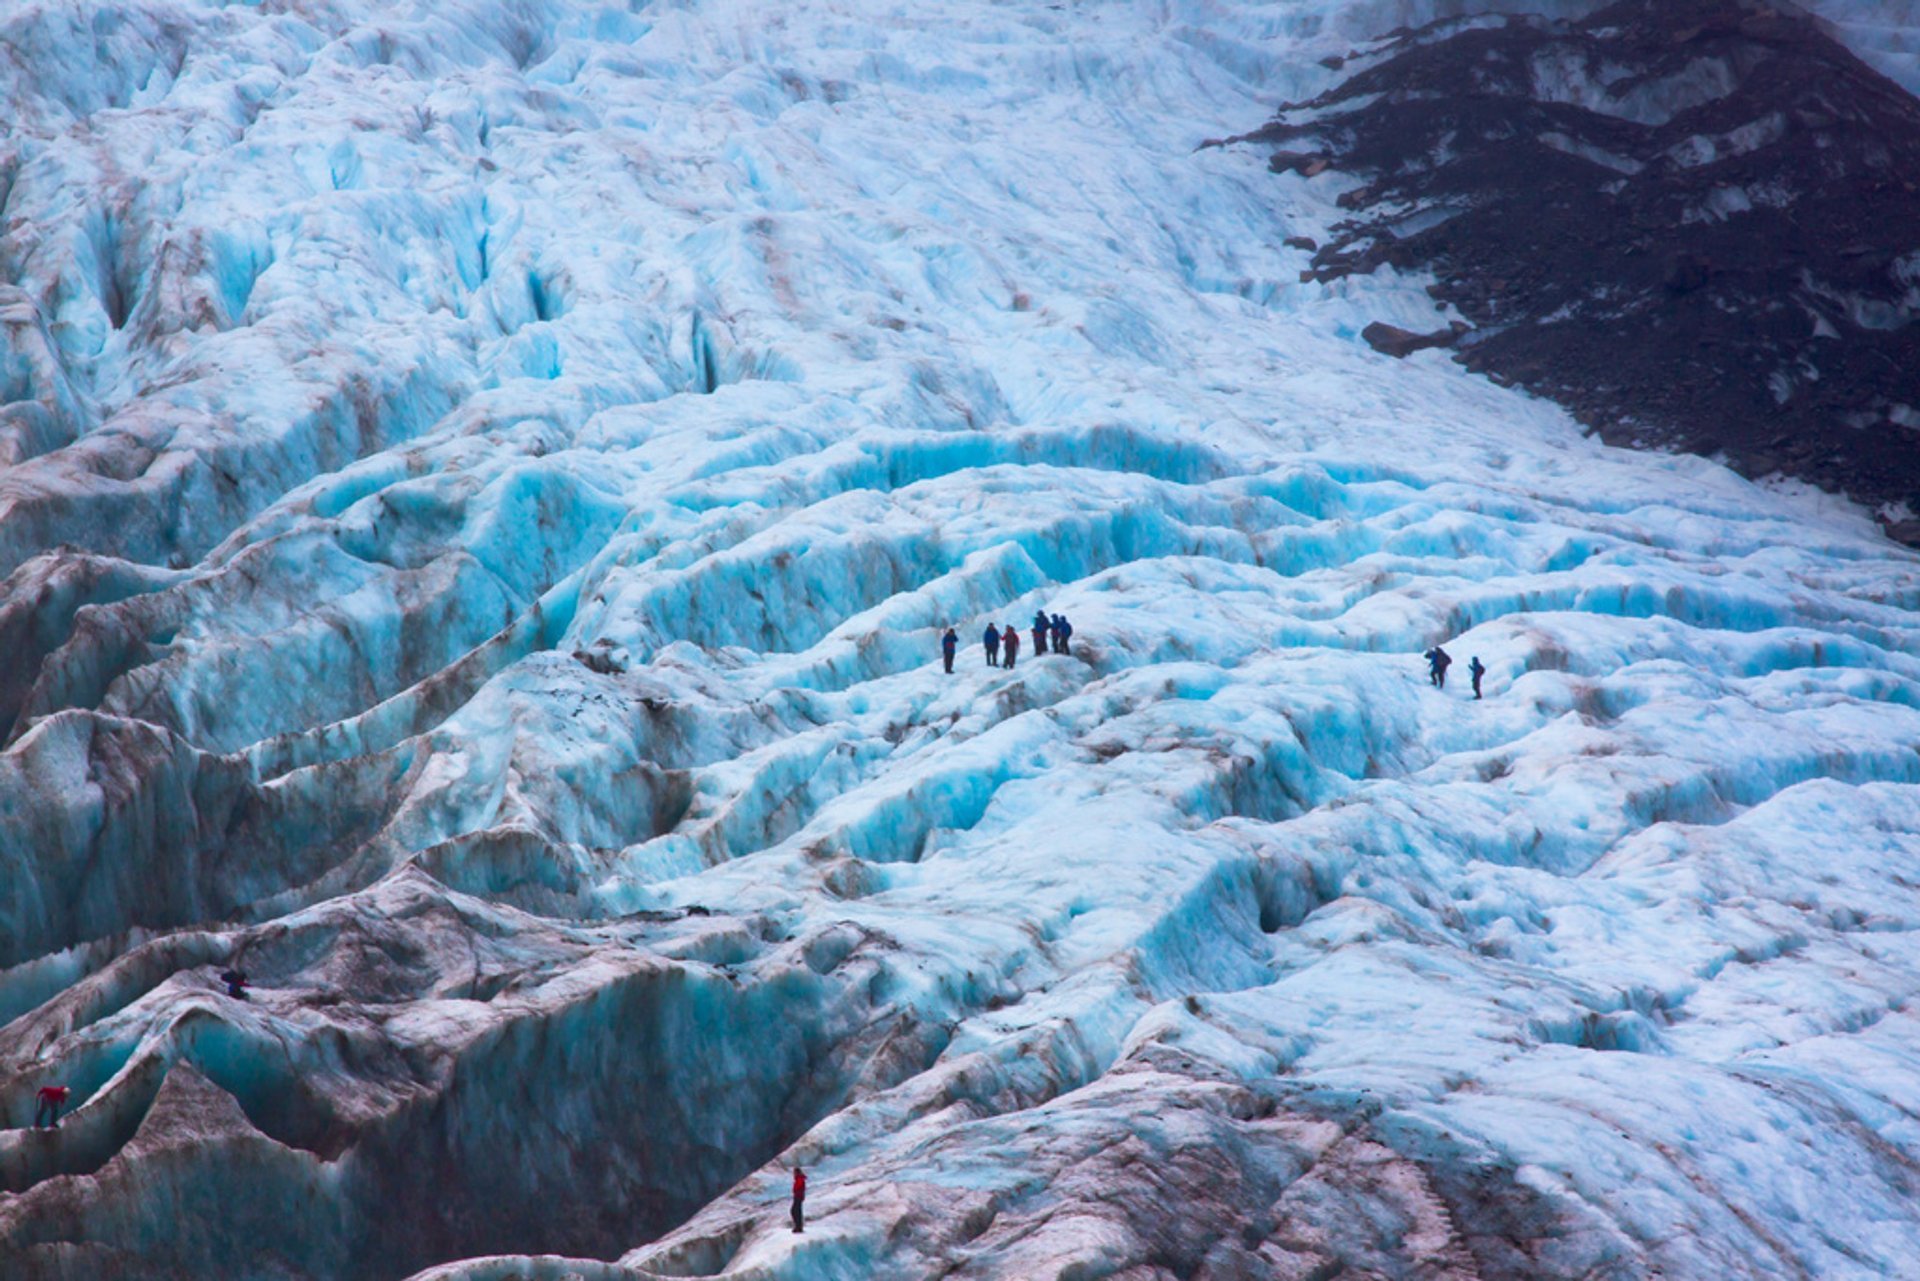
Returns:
(992,639)
(948,644)
(1010,643)
(236,981)
(799,1199)
(47,1114)
(1476,669)
(1438,660)
(1041,626)
(1062,633)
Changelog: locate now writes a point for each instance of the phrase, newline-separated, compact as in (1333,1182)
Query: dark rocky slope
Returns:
(1695,223)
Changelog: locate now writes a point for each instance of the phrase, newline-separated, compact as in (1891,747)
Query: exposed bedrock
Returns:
(1692,223)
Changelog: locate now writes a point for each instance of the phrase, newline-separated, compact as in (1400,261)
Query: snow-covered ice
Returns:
(484,484)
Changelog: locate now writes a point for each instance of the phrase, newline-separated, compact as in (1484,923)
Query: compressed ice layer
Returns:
(485,487)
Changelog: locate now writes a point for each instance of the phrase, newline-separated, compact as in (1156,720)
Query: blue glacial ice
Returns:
(483,485)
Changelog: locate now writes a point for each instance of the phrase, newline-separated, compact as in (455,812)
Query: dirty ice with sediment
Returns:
(484,483)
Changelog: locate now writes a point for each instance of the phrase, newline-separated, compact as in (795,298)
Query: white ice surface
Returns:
(368,362)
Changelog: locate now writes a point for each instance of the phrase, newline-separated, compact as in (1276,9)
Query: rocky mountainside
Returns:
(1696,224)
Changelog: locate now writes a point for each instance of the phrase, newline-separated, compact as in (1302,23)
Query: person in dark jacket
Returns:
(1041,626)
(1438,660)
(1476,670)
(799,1199)
(949,644)
(1062,633)
(46,1112)
(1010,643)
(992,639)
(236,981)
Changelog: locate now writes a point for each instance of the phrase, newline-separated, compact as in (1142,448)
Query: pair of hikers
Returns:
(1002,644)
(1438,661)
(51,1098)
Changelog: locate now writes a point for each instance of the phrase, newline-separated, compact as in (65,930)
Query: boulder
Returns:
(1391,340)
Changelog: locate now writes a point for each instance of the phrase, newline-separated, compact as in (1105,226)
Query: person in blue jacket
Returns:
(992,640)
(1041,626)
(948,644)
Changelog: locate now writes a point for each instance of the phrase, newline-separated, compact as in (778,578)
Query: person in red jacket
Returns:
(799,1199)
(50,1097)
(1010,644)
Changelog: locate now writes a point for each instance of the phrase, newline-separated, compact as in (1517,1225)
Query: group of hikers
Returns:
(1051,632)
(1438,661)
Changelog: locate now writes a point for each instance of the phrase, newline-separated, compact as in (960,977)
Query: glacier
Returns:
(484,482)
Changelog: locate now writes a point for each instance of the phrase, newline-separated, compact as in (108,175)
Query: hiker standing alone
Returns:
(47,1113)
(1476,669)
(799,1199)
(948,644)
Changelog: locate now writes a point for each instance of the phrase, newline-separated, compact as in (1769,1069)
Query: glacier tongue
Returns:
(484,487)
